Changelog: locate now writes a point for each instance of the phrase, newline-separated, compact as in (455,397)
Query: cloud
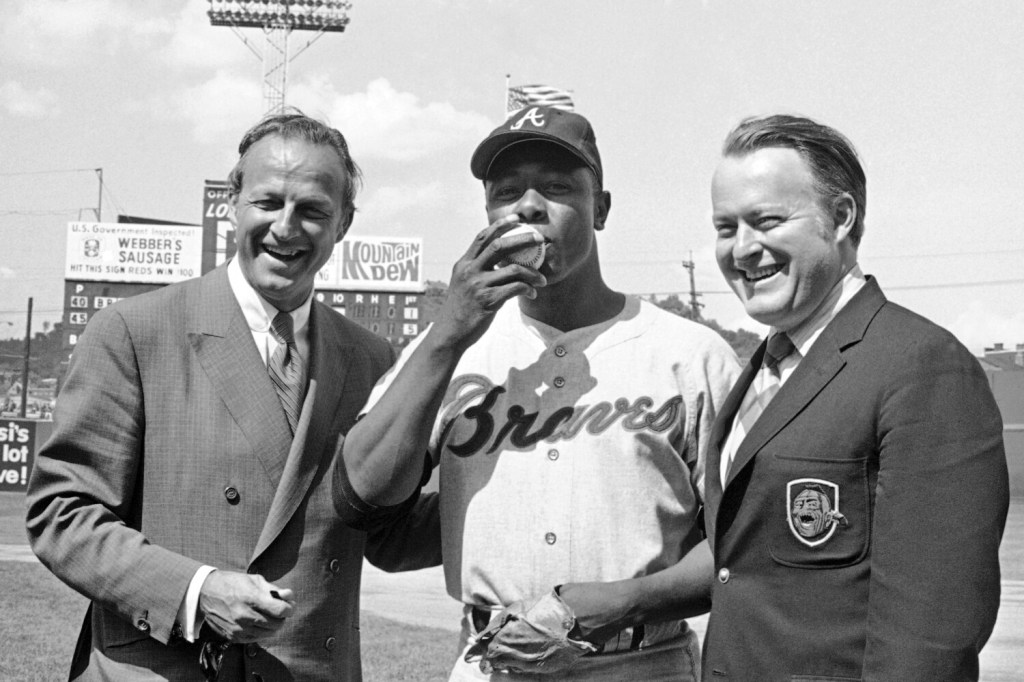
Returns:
(32,29)
(220,108)
(386,124)
(386,203)
(979,326)
(194,43)
(19,101)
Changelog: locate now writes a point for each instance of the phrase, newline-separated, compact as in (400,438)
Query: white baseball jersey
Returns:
(573,456)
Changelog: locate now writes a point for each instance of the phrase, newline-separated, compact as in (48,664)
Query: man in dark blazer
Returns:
(187,500)
(856,486)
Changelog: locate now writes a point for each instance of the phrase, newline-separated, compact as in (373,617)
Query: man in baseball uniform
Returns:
(569,422)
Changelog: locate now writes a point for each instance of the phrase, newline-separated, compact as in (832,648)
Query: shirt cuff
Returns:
(189,617)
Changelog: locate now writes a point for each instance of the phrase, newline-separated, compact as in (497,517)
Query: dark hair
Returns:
(293,124)
(831,156)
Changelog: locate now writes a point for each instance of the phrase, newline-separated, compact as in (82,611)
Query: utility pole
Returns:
(99,201)
(28,348)
(695,305)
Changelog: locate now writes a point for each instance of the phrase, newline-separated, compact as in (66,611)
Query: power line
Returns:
(50,172)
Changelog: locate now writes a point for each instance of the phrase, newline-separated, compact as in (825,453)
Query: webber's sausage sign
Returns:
(127,252)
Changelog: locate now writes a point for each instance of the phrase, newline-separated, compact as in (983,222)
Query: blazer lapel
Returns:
(823,362)
(223,345)
(311,447)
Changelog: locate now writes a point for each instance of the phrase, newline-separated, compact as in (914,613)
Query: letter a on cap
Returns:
(536,118)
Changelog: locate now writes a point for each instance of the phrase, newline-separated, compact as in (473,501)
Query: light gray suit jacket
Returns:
(171,450)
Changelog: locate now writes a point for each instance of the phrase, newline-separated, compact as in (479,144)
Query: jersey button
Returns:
(552,454)
(560,351)
(550,538)
(723,575)
(231,495)
(329,644)
(559,382)
(334,566)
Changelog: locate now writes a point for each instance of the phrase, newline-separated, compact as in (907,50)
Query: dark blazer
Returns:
(892,415)
(171,450)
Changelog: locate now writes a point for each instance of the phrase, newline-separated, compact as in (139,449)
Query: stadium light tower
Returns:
(277,19)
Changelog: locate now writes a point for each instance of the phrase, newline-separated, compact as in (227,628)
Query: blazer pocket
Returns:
(820,516)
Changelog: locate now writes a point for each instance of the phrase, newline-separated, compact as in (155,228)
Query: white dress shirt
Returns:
(803,337)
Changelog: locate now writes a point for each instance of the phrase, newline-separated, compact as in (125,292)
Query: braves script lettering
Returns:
(476,397)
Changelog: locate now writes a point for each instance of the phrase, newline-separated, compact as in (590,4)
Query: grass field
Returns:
(41,617)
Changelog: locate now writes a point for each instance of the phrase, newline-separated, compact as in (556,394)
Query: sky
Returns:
(931,94)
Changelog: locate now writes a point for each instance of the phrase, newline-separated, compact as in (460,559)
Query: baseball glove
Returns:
(529,638)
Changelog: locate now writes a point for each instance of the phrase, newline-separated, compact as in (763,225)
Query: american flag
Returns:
(538,95)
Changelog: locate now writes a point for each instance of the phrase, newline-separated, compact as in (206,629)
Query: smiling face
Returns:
(555,192)
(288,215)
(779,248)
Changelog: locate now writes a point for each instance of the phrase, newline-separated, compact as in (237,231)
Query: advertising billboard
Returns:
(19,441)
(374,264)
(218,232)
(125,252)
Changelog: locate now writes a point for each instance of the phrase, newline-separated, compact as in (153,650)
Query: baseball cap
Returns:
(567,129)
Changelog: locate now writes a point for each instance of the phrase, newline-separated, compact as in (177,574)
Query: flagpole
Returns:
(504,105)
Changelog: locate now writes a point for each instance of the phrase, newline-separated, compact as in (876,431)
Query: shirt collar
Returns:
(258,313)
(807,332)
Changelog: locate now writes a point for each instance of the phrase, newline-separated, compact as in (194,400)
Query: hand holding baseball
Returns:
(483,280)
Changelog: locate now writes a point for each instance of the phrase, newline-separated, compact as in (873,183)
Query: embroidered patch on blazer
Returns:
(814,514)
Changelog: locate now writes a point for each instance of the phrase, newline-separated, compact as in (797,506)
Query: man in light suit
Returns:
(857,486)
(186,494)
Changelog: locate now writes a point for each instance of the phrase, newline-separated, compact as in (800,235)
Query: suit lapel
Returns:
(223,345)
(311,445)
(823,362)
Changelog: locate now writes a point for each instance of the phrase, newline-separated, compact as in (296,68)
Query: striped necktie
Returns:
(765,385)
(286,369)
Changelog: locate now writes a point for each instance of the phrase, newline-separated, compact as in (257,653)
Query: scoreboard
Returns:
(82,299)
(394,316)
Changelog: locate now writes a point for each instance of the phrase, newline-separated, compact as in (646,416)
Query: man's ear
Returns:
(346,222)
(602,206)
(233,209)
(844,216)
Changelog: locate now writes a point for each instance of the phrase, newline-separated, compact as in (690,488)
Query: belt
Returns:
(628,639)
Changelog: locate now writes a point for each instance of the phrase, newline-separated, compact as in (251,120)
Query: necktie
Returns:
(286,369)
(766,384)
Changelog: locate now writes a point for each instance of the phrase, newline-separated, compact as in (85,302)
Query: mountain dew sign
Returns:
(374,264)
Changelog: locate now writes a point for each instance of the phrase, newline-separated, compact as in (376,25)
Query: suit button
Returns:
(559,382)
(142,624)
(550,538)
(560,351)
(329,644)
(251,649)
(334,566)
(723,575)
(552,454)
(256,677)
(231,495)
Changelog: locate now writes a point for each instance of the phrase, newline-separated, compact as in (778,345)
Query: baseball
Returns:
(531,253)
